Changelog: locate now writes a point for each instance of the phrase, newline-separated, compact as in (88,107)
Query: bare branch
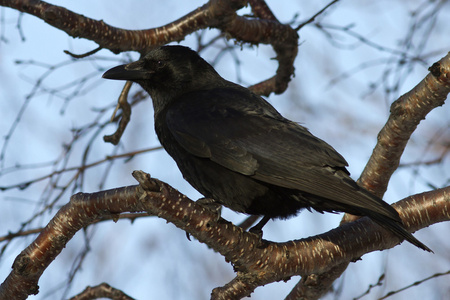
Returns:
(414,284)
(256,262)
(219,14)
(102,290)
(322,258)
(84,54)
(406,114)
(126,115)
(310,20)
(262,10)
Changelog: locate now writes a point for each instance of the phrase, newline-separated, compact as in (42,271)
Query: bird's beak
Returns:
(132,72)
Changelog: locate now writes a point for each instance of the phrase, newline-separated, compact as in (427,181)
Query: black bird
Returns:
(234,147)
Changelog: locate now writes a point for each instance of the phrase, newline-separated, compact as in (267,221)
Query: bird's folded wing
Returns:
(243,133)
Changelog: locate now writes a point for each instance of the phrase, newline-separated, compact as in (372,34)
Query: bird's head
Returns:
(167,72)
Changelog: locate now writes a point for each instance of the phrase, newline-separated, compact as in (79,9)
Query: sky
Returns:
(331,94)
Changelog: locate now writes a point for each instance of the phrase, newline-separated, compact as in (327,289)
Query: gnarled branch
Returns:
(256,262)
(220,14)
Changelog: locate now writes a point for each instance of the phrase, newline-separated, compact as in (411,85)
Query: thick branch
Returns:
(219,14)
(81,211)
(106,36)
(257,263)
(406,114)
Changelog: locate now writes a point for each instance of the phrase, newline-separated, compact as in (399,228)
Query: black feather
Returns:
(233,146)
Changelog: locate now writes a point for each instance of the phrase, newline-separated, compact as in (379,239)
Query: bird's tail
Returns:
(383,214)
(398,229)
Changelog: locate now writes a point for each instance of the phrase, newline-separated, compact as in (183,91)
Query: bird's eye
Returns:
(153,64)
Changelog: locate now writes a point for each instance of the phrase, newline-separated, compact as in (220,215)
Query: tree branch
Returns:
(102,290)
(220,14)
(256,262)
(406,114)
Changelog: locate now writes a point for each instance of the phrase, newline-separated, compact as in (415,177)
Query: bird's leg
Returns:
(249,221)
(257,229)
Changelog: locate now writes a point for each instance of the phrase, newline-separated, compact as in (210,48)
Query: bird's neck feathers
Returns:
(192,78)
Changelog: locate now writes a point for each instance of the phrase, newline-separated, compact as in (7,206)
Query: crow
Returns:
(234,147)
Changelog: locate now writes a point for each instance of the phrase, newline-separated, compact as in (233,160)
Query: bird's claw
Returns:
(211,205)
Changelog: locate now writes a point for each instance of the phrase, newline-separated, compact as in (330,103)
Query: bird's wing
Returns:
(243,133)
